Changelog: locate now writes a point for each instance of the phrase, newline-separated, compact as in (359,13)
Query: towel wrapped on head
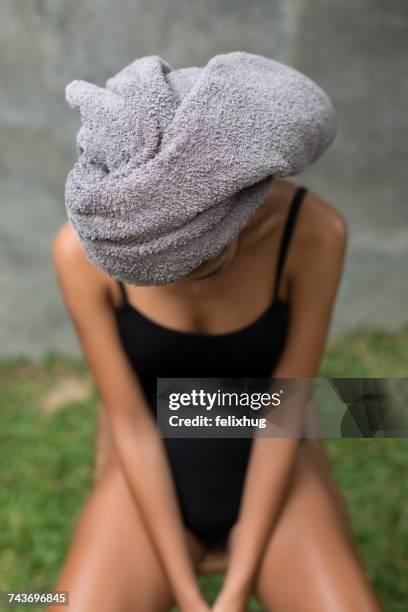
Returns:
(173,163)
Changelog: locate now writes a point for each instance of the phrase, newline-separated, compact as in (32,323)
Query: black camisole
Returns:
(208,473)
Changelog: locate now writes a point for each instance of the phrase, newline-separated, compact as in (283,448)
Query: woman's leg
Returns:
(112,565)
(311,563)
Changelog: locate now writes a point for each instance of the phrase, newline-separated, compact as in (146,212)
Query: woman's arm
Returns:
(319,247)
(139,447)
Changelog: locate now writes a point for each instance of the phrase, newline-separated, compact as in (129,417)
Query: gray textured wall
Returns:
(356,50)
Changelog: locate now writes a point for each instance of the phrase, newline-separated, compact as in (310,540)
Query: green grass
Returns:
(46,470)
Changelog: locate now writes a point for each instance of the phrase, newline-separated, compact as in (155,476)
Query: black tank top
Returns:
(208,472)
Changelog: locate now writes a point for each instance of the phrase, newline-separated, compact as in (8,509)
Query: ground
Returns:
(47,419)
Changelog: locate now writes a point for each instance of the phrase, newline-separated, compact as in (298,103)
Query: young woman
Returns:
(260,308)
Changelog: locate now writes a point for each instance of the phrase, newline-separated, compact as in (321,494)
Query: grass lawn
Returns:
(47,416)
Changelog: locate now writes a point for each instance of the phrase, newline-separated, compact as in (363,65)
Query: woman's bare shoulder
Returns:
(320,223)
(319,241)
(73,266)
(321,213)
(319,220)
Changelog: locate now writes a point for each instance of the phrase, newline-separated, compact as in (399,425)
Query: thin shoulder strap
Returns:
(287,234)
(123,292)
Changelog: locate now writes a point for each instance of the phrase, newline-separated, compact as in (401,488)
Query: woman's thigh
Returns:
(112,565)
(310,563)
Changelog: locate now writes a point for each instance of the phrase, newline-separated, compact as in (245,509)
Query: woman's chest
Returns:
(229,302)
(250,351)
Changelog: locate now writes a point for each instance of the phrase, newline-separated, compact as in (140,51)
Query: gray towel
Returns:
(173,163)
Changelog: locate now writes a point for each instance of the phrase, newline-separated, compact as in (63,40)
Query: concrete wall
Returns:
(355,50)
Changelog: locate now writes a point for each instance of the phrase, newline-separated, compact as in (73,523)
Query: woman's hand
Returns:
(201,607)
(197,605)
(229,602)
